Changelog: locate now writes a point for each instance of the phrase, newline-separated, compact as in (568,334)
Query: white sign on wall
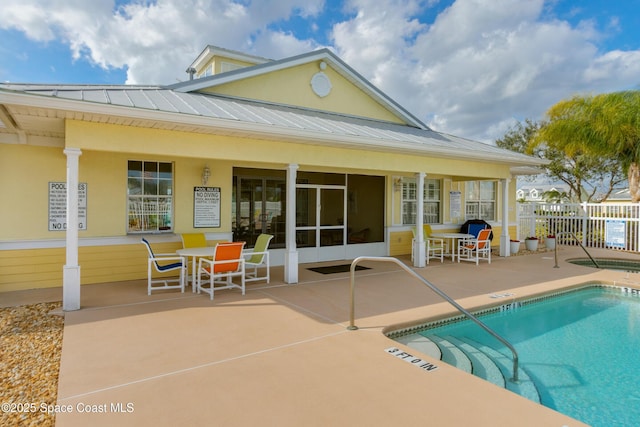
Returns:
(615,233)
(206,207)
(455,204)
(58,206)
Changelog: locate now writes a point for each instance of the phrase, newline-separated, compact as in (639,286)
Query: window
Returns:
(480,200)
(431,212)
(208,71)
(149,197)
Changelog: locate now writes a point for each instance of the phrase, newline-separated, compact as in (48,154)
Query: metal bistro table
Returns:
(195,253)
(452,244)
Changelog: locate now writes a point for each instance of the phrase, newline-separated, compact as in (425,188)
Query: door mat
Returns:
(342,268)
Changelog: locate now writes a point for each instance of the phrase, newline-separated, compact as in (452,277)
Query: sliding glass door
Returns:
(259,207)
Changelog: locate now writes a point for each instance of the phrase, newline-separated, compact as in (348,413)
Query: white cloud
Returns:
(480,65)
(157,40)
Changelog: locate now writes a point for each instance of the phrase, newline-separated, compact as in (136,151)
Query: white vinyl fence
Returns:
(596,225)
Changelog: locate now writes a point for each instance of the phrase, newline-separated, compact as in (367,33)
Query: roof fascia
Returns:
(211,51)
(318,55)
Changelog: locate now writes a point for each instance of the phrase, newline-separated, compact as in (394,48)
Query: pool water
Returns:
(581,349)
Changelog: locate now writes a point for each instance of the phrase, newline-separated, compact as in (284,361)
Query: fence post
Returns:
(518,204)
(636,228)
(584,223)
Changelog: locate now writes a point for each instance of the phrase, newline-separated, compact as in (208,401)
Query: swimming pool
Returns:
(609,263)
(578,351)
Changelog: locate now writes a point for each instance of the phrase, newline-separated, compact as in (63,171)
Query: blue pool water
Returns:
(581,349)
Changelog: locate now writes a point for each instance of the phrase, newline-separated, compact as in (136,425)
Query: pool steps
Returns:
(422,344)
(474,358)
(452,354)
(525,386)
(482,364)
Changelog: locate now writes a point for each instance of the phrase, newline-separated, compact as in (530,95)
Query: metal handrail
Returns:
(434,288)
(579,242)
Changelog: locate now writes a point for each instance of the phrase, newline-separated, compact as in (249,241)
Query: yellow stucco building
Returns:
(303,148)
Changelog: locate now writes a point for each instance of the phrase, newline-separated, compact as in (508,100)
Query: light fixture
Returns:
(397,184)
(206,173)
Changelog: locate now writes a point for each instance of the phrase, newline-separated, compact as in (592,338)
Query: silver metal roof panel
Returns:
(285,119)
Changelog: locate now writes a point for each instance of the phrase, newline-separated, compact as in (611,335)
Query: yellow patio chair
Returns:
(193,240)
(258,257)
(476,249)
(435,246)
(173,262)
(226,264)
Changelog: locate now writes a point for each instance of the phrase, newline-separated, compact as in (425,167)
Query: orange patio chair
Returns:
(226,264)
(476,249)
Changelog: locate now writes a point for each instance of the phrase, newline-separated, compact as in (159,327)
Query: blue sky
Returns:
(467,67)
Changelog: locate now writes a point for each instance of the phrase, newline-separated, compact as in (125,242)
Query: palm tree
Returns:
(555,196)
(605,124)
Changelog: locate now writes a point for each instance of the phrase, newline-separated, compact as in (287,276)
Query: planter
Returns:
(551,243)
(514,247)
(531,244)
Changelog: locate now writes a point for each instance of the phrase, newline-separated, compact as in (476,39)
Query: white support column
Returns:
(291,253)
(71,270)
(505,247)
(419,249)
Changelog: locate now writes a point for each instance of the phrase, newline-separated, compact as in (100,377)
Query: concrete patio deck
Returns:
(282,356)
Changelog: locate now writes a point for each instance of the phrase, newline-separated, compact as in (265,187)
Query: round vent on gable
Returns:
(321,84)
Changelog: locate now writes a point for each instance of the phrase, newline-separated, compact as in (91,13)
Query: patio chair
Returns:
(435,246)
(193,240)
(258,257)
(475,229)
(473,226)
(173,263)
(226,264)
(476,249)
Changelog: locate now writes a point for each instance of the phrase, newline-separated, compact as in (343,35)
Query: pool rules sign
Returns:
(206,207)
(58,206)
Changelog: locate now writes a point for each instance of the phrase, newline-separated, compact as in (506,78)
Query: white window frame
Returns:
(480,203)
(150,197)
(432,201)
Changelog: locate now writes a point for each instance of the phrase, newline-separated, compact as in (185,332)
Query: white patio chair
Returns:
(172,262)
(226,264)
(256,258)
(435,247)
(477,249)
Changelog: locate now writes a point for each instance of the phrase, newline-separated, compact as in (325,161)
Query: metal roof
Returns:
(324,55)
(209,113)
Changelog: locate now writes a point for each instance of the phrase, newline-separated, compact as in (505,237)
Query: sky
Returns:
(471,68)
